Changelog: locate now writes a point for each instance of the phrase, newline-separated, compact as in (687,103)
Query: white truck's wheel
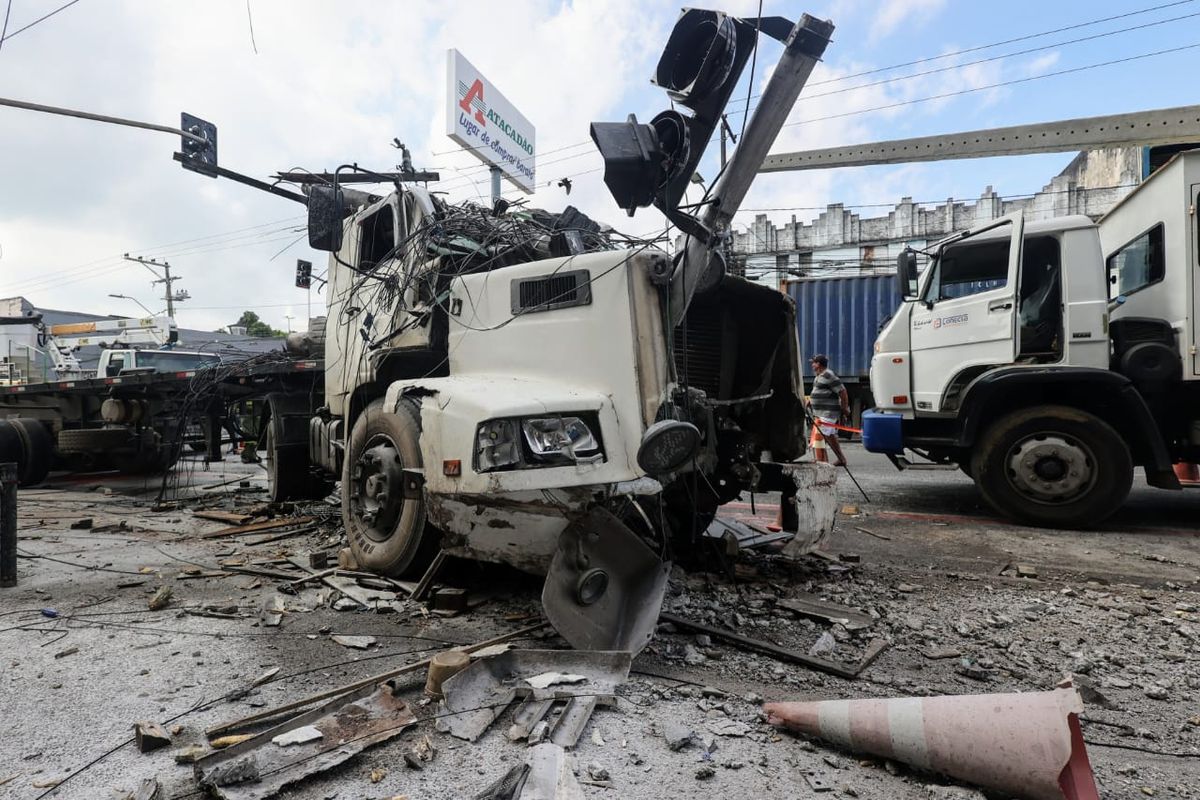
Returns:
(1053,466)
(386,530)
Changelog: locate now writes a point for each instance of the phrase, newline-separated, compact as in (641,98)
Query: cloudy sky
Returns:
(299,83)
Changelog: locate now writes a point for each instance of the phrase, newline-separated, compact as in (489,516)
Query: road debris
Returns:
(161,598)
(150,736)
(297,736)
(850,672)
(257,768)
(475,697)
(354,642)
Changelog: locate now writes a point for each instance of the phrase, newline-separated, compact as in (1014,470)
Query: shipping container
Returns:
(840,316)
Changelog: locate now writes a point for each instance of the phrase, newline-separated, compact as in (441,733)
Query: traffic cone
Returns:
(1187,473)
(1024,744)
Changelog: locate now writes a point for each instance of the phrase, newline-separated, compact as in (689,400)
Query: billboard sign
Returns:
(480,119)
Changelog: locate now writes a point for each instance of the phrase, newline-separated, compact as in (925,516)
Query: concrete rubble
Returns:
(240,702)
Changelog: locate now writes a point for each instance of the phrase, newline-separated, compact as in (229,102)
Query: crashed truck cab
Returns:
(519,410)
(519,386)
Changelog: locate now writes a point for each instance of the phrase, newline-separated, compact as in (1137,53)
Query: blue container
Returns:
(840,316)
(881,432)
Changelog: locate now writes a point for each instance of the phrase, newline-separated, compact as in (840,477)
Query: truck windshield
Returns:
(167,361)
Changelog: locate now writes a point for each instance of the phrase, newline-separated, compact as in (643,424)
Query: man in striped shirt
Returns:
(829,403)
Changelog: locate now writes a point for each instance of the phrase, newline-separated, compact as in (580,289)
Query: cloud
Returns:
(891,14)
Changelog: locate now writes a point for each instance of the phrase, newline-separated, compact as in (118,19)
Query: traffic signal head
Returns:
(699,69)
(198,156)
(303,273)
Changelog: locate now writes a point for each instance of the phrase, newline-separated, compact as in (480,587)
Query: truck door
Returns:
(966,316)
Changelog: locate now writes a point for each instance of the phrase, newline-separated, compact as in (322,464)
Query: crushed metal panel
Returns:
(477,696)
(550,776)
(605,586)
(257,768)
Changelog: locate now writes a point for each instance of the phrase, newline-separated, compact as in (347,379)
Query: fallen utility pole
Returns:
(240,724)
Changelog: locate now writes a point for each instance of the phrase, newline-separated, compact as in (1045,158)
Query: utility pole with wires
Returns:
(172,297)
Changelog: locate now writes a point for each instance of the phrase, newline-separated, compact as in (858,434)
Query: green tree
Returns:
(255,326)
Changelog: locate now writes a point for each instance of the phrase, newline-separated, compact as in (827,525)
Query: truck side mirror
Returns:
(326,211)
(906,273)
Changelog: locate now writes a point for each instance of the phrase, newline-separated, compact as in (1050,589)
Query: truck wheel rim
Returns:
(1051,468)
(376,491)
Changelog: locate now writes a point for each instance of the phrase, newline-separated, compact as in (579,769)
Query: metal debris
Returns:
(475,697)
(348,725)
(613,603)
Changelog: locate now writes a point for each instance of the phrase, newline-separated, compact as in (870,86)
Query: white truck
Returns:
(529,388)
(1049,359)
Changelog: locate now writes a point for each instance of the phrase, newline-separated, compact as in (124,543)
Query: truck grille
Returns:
(548,292)
(700,360)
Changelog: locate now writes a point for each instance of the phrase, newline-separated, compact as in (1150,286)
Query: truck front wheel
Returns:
(386,530)
(1053,466)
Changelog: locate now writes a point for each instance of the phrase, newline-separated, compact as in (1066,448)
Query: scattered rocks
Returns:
(704,772)
(1156,692)
(678,736)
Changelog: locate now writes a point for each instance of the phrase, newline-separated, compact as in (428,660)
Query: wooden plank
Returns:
(230,517)
(426,582)
(255,527)
(416,666)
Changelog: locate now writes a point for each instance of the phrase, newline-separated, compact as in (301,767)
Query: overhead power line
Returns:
(1011,82)
(36,21)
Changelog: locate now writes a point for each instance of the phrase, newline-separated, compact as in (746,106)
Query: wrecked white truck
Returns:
(534,389)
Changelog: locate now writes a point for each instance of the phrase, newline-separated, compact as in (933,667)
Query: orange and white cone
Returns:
(1026,744)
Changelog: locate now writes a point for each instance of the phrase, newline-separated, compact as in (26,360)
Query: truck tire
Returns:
(1053,467)
(287,478)
(38,449)
(93,440)
(387,532)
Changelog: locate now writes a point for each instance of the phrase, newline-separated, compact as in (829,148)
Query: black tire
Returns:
(92,440)
(287,473)
(389,536)
(38,450)
(1053,467)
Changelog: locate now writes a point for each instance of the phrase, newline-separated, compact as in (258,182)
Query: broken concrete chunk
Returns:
(355,642)
(161,599)
(192,754)
(150,736)
(728,727)
(298,736)
(678,736)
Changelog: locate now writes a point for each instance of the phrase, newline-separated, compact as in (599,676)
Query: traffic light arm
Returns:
(700,266)
(221,172)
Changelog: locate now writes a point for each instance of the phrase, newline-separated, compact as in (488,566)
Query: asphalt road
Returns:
(938,518)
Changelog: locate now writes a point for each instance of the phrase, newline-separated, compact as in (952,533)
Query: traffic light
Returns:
(699,69)
(197,156)
(303,274)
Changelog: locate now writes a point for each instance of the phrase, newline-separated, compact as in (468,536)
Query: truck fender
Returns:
(1109,395)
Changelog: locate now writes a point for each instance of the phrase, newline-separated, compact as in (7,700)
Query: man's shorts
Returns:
(821,428)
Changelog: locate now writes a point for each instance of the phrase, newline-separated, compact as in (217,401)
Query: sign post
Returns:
(481,120)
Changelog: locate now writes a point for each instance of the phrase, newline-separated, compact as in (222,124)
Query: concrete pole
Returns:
(496,173)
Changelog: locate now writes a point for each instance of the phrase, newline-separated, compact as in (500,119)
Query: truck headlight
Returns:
(530,442)
(497,445)
(553,438)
